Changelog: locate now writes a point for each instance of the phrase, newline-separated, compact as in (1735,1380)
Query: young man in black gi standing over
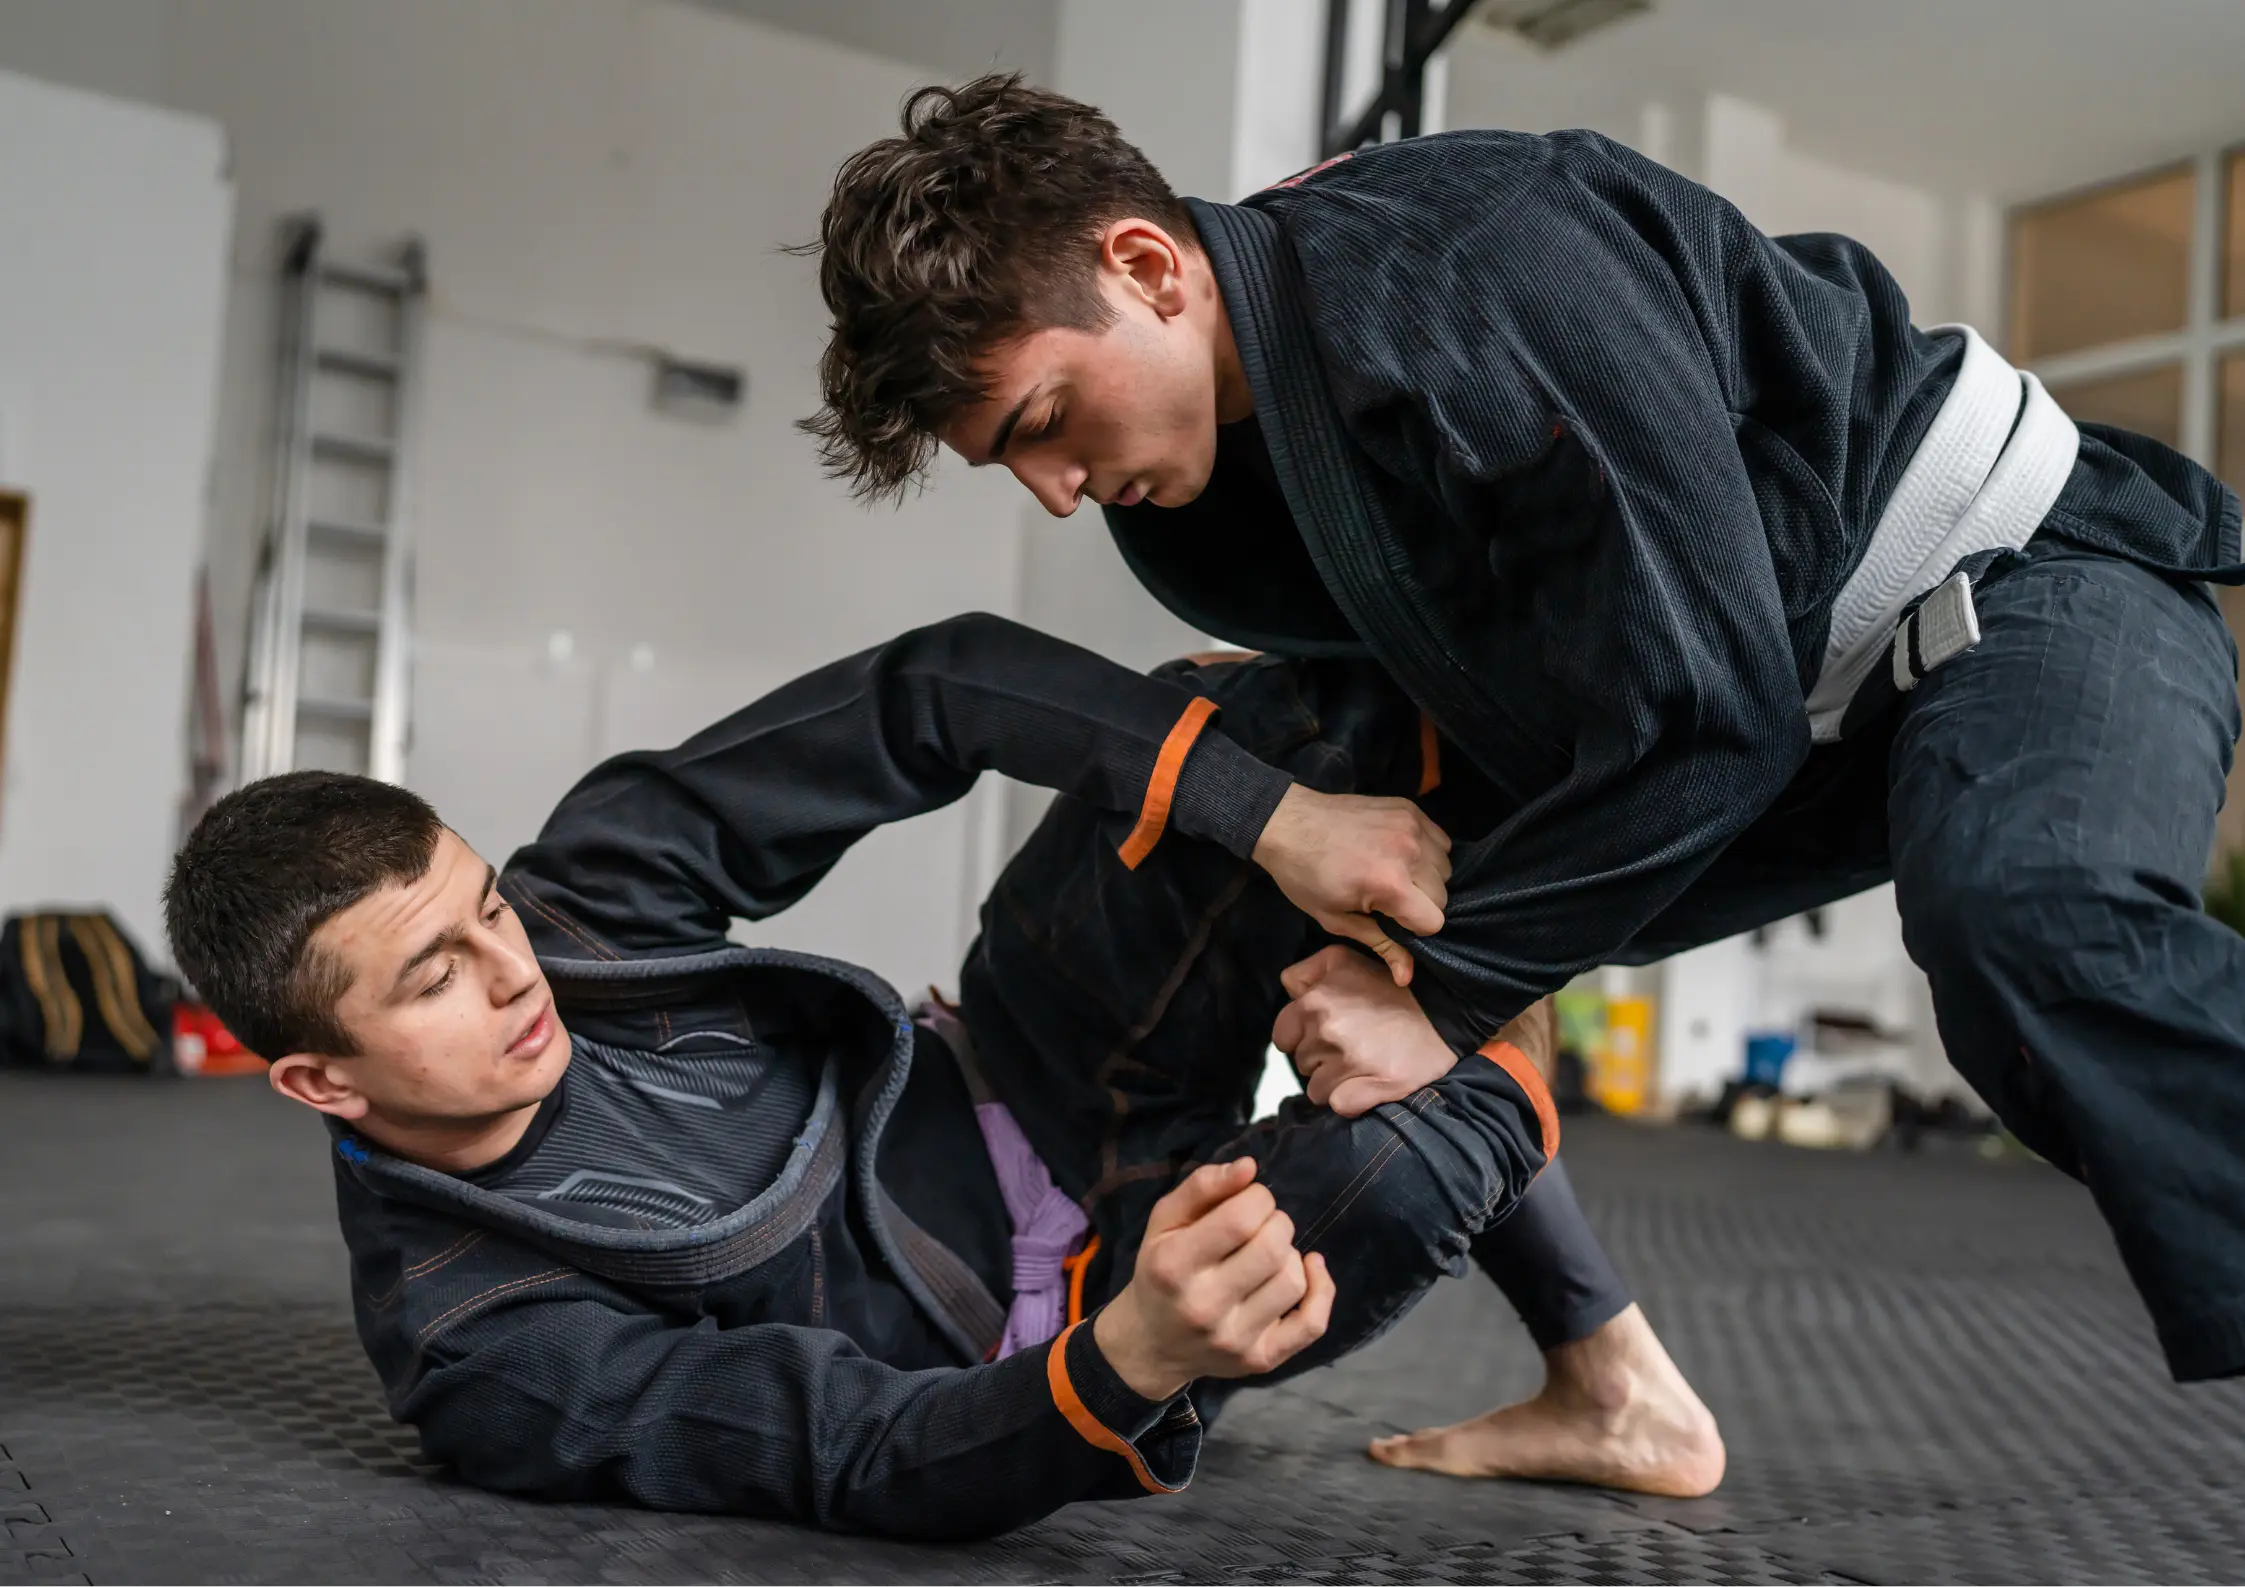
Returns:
(1726,592)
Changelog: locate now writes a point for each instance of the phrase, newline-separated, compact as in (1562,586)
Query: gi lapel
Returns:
(1341,517)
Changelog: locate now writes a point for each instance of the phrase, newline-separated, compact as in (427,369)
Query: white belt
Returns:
(1983,479)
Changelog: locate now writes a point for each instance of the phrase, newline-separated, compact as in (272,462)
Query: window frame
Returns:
(2206,335)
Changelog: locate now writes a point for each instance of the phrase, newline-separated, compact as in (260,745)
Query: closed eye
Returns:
(437,987)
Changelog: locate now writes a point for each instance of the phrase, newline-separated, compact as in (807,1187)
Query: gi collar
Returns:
(1232,563)
(1339,508)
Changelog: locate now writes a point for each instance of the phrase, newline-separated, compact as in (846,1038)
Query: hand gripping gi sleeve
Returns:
(653,852)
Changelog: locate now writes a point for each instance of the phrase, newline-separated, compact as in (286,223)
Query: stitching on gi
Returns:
(1499,1189)
(1349,1194)
(561,921)
(1039,938)
(1356,1188)
(493,1293)
(818,1279)
(1116,1178)
(1417,1100)
(1110,1150)
(425,1267)
(599,942)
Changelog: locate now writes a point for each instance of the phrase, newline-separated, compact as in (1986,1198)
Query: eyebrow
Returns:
(1005,430)
(445,938)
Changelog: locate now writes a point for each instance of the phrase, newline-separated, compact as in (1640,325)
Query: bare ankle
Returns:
(1608,1369)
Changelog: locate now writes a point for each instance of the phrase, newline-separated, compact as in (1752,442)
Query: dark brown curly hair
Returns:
(972,226)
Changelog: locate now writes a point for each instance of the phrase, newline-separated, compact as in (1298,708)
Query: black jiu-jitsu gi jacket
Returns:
(1583,459)
(814,1354)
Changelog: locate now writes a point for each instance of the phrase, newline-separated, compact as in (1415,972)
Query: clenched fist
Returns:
(1341,857)
(1218,1290)
(1358,1039)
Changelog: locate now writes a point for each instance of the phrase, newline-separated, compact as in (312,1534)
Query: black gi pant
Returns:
(1124,1017)
(2044,805)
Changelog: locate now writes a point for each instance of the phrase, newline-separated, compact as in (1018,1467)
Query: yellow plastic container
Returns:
(1621,1066)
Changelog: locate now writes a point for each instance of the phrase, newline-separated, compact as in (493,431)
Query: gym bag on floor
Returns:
(76,994)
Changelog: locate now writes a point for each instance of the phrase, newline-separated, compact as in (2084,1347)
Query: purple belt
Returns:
(1048,1226)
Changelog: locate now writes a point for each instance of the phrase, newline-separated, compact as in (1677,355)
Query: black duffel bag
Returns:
(75,994)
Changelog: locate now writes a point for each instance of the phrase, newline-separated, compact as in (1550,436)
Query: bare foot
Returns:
(1614,1413)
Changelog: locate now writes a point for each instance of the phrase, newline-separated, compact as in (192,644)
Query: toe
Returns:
(1426,1450)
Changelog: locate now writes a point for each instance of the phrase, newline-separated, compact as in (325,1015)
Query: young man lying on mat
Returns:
(634,1213)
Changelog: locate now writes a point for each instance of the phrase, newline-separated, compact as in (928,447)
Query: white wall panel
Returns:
(593,178)
(111,283)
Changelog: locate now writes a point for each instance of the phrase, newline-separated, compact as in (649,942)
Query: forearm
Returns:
(659,849)
(791,1423)
(1393,1197)
(1570,882)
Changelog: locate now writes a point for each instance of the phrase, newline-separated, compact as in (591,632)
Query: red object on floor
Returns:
(202,1045)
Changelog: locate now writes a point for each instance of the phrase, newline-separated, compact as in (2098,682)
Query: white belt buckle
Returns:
(1944,626)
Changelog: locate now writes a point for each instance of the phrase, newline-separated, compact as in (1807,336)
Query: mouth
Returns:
(1130,495)
(536,1038)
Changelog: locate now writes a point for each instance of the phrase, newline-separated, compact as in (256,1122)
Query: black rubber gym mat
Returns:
(1927,1368)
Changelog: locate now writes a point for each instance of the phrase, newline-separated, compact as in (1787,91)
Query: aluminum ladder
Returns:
(331,624)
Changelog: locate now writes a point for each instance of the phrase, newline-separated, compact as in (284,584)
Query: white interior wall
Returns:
(951,39)
(111,279)
(590,175)
(1276,87)
(1747,159)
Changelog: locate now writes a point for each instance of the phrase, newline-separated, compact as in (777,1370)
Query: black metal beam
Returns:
(1416,30)
(1336,69)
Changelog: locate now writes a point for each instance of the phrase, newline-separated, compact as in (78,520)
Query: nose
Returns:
(514,970)
(1057,486)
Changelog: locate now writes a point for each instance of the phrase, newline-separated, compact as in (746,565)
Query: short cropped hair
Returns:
(263,870)
(975,225)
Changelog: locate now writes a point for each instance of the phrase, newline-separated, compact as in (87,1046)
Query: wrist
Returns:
(1226,795)
(1436,1057)
(1276,834)
(1124,1340)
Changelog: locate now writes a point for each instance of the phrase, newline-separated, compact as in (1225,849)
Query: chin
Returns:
(554,1059)
(536,1083)
(1179,493)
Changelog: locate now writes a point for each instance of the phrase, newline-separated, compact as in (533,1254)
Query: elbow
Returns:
(490,1460)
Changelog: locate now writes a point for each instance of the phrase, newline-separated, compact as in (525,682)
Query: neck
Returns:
(1235,399)
(451,1146)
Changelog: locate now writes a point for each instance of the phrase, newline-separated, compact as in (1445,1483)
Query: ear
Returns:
(318,1083)
(1152,264)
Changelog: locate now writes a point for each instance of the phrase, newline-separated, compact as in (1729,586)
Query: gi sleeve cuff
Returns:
(1226,795)
(1109,1414)
(1524,1074)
